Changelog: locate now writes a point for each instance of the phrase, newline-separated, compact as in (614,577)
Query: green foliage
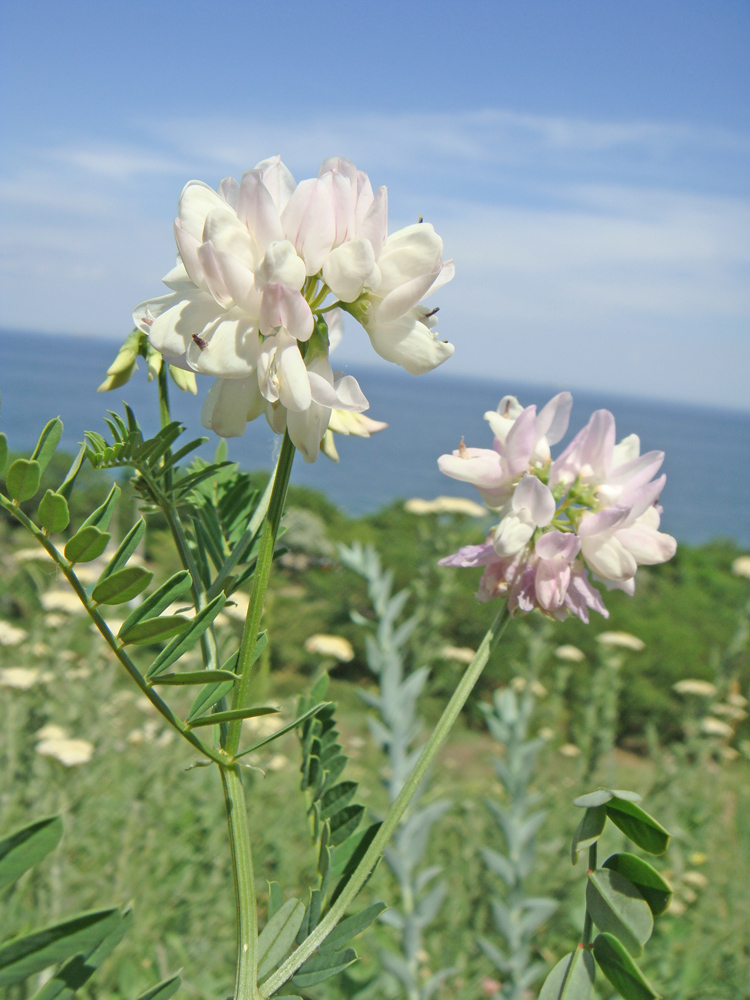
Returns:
(26,847)
(53,512)
(572,978)
(22,479)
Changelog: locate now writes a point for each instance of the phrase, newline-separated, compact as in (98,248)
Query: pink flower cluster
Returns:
(595,507)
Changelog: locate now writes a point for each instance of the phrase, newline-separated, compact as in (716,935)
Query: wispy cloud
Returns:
(591,253)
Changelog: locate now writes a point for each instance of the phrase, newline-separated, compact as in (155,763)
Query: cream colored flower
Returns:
(704,689)
(20,678)
(741,566)
(68,751)
(716,727)
(64,600)
(445,505)
(11,635)
(697,879)
(55,620)
(461,654)
(277,763)
(621,640)
(330,645)
(571,653)
(570,750)
(51,732)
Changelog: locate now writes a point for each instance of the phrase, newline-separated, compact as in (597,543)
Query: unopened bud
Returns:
(184,380)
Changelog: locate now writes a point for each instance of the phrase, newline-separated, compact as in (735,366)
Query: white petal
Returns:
(226,233)
(404,297)
(552,422)
(306,429)
(309,221)
(537,498)
(374,225)
(410,253)
(281,263)
(172,332)
(229,348)
(513,533)
(608,558)
(409,343)
(282,308)
(347,269)
(278,179)
(257,210)
(196,202)
(230,404)
(178,279)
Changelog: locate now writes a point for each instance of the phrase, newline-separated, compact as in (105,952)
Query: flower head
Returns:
(593,508)
(261,265)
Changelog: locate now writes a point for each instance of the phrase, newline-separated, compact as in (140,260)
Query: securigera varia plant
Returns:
(265,269)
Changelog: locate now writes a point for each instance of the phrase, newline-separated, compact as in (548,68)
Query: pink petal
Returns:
(282,308)
(553,418)
(257,210)
(558,543)
(532,494)
(520,442)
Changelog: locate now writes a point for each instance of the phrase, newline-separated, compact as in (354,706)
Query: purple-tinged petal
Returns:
(229,190)
(558,543)
(513,533)
(608,558)
(641,499)
(596,449)
(551,582)
(471,555)
(212,276)
(520,442)
(282,308)
(553,418)
(532,494)
(258,211)
(478,466)
(309,221)
(649,547)
(603,521)
(374,225)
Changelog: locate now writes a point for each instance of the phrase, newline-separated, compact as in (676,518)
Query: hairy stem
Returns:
(245,984)
(397,810)
(260,585)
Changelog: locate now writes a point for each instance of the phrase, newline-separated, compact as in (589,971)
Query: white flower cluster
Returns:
(594,506)
(263,266)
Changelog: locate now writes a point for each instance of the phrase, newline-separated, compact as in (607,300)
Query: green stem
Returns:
(258,592)
(111,640)
(588,923)
(397,810)
(245,987)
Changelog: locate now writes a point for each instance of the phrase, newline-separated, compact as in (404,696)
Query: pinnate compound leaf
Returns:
(348,928)
(589,830)
(323,966)
(163,990)
(655,890)
(22,479)
(122,586)
(24,956)
(88,543)
(53,512)
(215,689)
(125,549)
(103,514)
(77,971)
(188,638)
(620,969)
(277,937)
(26,847)
(636,824)
(3,453)
(232,715)
(572,978)
(152,630)
(603,795)
(48,441)
(155,603)
(617,907)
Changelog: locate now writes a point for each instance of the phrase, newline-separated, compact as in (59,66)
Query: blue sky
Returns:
(586,164)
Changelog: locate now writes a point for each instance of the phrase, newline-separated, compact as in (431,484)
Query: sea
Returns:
(707,450)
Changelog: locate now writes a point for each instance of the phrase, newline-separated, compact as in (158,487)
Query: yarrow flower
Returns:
(595,507)
(261,264)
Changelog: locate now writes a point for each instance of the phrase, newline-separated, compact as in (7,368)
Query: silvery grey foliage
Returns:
(396,727)
(517,915)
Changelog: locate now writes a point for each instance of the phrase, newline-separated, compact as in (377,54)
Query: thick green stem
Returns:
(245,987)
(397,810)
(258,592)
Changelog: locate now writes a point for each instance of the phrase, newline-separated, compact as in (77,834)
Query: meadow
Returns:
(605,704)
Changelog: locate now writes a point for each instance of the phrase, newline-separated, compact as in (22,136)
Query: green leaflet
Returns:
(636,824)
(617,907)
(277,937)
(48,441)
(323,966)
(122,586)
(125,549)
(572,978)
(232,715)
(26,847)
(197,677)
(87,544)
(101,517)
(76,972)
(604,795)
(589,830)
(53,512)
(216,688)
(163,990)
(23,956)
(66,487)
(155,603)
(187,639)
(3,453)
(655,890)
(22,479)
(284,729)
(153,630)
(621,970)
(346,929)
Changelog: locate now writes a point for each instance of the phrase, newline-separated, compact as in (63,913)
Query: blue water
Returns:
(707,450)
